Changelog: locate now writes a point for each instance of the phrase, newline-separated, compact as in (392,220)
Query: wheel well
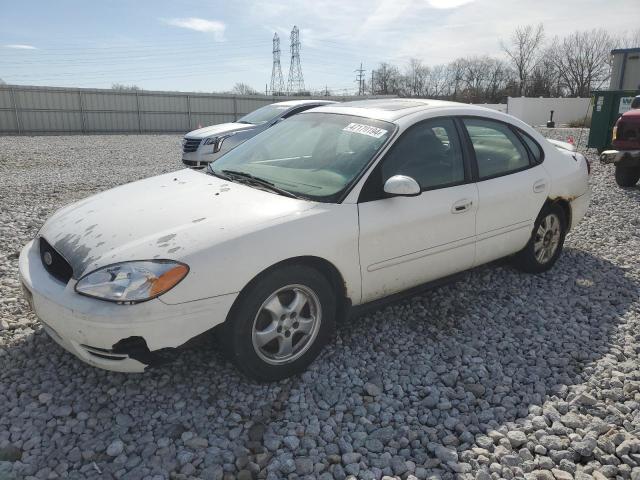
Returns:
(325,267)
(565,205)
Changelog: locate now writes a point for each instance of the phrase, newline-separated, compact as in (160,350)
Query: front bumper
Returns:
(201,157)
(626,158)
(123,338)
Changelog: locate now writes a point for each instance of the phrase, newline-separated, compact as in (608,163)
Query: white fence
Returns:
(536,111)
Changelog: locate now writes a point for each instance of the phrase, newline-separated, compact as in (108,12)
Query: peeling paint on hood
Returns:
(167,216)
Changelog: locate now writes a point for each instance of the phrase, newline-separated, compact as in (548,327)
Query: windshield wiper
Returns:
(248,178)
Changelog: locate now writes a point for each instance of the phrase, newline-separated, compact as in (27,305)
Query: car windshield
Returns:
(264,114)
(313,155)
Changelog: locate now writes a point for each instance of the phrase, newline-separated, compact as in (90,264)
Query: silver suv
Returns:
(203,146)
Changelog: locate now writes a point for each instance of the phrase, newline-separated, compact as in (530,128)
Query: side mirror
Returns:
(403,186)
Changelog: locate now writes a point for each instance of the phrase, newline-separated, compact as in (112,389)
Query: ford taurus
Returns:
(335,207)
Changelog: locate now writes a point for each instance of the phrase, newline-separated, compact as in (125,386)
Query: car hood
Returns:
(218,129)
(168,217)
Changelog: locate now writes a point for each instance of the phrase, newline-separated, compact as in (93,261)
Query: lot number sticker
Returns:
(374,132)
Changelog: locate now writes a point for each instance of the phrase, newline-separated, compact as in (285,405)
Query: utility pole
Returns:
(360,79)
(372,89)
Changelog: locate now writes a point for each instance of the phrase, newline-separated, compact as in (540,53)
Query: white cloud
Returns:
(20,47)
(200,25)
(446,4)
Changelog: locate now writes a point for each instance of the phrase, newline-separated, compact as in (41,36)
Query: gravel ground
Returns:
(501,375)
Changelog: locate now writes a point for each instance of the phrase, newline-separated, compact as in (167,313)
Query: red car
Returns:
(626,141)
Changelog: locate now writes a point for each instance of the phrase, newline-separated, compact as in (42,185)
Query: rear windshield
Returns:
(264,114)
(313,155)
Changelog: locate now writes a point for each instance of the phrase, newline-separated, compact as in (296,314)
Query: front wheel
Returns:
(546,242)
(627,176)
(281,322)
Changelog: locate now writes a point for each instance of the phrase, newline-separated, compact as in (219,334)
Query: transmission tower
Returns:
(295,83)
(277,83)
(360,79)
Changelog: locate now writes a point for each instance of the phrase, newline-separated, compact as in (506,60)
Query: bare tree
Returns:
(125,88)
(243,89)
(582,60)
(628,40)
(523,50)
(436,81)
(415,78)
(386,80)
(544,80)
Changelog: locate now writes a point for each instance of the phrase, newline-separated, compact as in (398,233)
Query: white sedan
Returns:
(335,207)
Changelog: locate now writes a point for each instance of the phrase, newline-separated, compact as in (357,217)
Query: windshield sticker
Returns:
(374,132)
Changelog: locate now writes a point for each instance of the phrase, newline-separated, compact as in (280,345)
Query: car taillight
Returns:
(614,135)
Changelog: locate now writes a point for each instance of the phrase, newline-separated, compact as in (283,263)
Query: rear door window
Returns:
(498,149)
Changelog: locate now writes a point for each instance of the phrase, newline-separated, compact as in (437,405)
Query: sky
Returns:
(210,45)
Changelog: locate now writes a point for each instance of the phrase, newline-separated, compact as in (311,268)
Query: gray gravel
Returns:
(501,375)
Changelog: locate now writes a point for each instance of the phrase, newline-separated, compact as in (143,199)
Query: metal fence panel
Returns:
(5,99)
(47,100)
(33,110)
(33,121)
(8,123)
(162,122)
(162,103)
(109,101)
(111,122)
(200,104)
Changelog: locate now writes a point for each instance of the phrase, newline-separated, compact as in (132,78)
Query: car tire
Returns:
(546,242)
(627,176)
(280,322)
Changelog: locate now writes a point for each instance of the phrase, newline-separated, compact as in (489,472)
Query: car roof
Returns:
(390,109)
(295,103)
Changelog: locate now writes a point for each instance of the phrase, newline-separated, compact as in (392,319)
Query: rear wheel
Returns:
(627,176)
(280,324)
(546,242)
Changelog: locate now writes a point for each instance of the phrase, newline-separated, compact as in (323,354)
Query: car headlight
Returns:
(132,282)
(216,141)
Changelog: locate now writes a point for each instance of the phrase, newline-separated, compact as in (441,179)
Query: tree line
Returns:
(532,66)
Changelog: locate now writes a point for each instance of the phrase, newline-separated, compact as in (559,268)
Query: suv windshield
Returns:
(314,155)
(264,114)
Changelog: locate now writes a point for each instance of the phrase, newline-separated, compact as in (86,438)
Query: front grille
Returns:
(54,263)
(190,145)
(193,163)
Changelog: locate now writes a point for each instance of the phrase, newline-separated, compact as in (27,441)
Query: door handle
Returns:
(461,206)
(540,186)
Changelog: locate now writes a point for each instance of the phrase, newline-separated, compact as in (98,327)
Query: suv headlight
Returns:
(216,141)
(132,282)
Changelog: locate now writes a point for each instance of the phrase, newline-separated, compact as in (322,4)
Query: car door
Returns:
(407,241)
(512,187)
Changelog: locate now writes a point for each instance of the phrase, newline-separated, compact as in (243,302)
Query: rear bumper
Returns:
(626,158)
(579,206)
(124,338)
